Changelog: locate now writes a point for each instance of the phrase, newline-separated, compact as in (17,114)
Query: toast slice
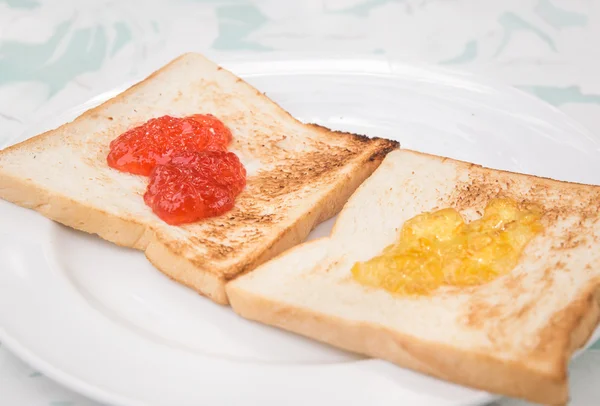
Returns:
(298,175)
(512,336)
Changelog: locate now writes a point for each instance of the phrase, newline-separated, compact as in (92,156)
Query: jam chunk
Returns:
(439,249)
(195,185)
(141,148)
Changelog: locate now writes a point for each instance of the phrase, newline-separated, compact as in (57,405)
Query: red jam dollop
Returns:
(195,185)
(192,175)
(140,149)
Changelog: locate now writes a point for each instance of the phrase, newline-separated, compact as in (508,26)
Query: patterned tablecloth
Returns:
(54,55)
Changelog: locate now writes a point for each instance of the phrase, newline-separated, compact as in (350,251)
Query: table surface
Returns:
(55,55)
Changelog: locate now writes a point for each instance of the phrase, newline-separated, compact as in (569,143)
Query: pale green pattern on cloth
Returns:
(88,49)
(235,23)
(557,96)
(469,54)
(512,23)
(51,52)
(84,51)
(21,3)
(363,8)
(124,36)
(558,17)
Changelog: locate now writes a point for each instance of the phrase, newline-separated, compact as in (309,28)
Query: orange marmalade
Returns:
(439,248)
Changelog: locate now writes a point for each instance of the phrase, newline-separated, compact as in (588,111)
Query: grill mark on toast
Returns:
(478,191)
(316,165)
(296,173)
(356,137)
(263,202)
(387,147)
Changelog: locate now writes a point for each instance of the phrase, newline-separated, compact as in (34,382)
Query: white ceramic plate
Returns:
(101,320)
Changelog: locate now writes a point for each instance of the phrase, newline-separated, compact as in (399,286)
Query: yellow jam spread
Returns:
(439,249)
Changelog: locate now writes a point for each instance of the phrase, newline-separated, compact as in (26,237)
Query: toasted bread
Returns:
(512,336)
(298,175)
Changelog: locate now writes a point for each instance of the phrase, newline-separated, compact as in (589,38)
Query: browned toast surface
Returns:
(298,175)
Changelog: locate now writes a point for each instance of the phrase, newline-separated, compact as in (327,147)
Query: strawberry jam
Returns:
(140,149)
(195,185)
(192,176)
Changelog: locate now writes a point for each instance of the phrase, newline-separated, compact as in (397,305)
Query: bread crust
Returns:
(470,369)
(476,370)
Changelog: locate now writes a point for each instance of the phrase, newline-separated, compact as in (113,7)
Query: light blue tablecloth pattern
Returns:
(54,55)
